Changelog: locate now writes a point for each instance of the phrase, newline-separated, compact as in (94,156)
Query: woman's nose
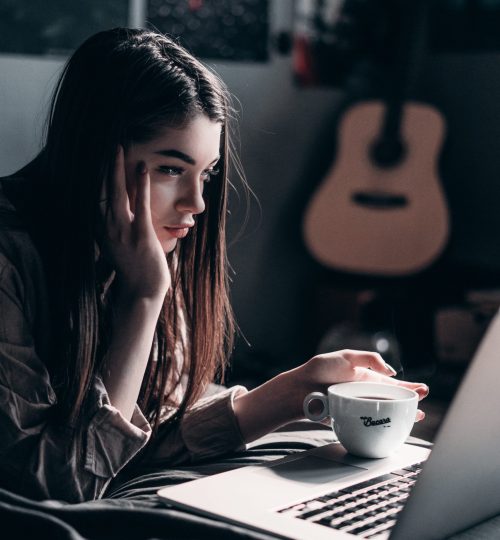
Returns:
(190,199)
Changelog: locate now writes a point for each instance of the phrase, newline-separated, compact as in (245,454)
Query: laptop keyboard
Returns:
(368,509)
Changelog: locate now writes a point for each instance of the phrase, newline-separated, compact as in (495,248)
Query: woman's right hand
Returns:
(130,240)
(280,400)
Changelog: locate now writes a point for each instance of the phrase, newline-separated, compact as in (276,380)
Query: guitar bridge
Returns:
(379,200)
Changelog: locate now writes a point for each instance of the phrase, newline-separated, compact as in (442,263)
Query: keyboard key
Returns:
(401,472)
(369,483)
(378,532)
(324,498)
(294,508)
(310,513)
(367,509)
(414,468)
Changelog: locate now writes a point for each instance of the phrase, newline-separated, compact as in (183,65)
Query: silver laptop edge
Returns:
(460,483)
(458,487)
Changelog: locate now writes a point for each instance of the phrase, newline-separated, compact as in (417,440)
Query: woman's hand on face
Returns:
(348,365)
(131,242)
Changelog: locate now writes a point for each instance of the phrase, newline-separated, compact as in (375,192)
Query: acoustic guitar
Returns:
(380,209)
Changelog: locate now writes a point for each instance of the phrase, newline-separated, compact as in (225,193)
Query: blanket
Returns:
(131,508)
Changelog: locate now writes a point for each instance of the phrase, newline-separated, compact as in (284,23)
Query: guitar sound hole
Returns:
(380,200)
(388,153)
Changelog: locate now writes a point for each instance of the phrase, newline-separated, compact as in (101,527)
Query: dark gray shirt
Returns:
(37,455)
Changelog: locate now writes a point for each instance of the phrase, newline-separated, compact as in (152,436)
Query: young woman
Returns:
(114,311)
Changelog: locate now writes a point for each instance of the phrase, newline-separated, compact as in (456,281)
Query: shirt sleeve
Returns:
(207,430)
(38,455)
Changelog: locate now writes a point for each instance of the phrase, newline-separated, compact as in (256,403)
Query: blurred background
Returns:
(296,69)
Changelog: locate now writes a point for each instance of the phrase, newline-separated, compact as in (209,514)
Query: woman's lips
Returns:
(177,232)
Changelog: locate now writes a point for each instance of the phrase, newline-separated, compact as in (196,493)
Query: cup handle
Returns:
(321,415)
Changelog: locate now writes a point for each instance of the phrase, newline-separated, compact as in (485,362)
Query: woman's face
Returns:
(180,162)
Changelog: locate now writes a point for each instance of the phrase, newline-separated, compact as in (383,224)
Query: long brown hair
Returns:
(123,86)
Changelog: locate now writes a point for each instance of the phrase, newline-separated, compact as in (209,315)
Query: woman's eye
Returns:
(170,171)
(208,173)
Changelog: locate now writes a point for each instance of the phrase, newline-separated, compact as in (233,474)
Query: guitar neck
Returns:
(391,127)
(411,47)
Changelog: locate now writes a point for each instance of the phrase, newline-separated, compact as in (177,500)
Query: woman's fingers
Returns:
(120,206)
(370,360)
(420,415)
(352,365)
(142,210)
(363,374)
(372,367)
(421,388)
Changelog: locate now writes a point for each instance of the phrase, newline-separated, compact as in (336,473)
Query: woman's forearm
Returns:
(134,325)
(269,406)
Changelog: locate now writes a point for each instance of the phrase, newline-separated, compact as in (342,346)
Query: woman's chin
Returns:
(168,245)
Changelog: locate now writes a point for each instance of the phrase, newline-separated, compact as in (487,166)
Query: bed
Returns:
(131,509)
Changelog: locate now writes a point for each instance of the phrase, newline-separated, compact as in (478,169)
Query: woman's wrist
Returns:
(126,301)
(295,390)
(134,321)
(127,294)
(269,406)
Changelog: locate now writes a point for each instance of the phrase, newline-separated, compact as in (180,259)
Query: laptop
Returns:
(325,493)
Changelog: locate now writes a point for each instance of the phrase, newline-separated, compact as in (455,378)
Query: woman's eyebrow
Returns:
(181,155)
(177,154)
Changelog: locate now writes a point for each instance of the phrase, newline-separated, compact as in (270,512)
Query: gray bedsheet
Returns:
(131,509)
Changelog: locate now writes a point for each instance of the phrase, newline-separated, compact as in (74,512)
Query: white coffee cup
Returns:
(370,419)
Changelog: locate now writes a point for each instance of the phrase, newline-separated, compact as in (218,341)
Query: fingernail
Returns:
(390,369)
(141,167)
(423,387)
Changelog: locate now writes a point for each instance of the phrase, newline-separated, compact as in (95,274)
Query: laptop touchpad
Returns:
(309,469)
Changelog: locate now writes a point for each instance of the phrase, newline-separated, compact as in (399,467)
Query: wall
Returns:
(278,124)
(25,87)
(287,139)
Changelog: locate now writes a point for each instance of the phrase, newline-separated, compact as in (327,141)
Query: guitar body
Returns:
(385,221)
